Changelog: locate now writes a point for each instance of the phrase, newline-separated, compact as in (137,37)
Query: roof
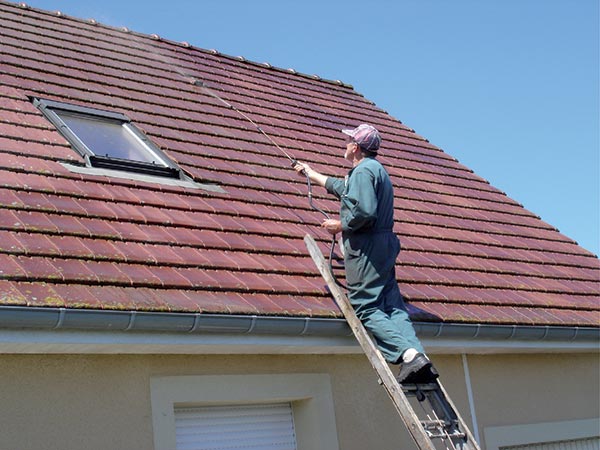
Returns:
(82,240)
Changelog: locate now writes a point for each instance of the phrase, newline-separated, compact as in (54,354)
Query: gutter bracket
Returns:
(252,325)
(305,329)
(131,320)
(61,318)
(196,323)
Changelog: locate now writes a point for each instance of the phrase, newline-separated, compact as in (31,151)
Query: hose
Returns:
(293,162)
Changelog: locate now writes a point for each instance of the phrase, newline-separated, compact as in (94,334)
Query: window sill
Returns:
(188,184)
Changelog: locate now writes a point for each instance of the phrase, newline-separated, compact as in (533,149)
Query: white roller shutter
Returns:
(574,444)
(240,427)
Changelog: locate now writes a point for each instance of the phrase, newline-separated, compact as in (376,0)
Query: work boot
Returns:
(418,370)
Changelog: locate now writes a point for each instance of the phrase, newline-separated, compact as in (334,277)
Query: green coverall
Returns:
(370,251)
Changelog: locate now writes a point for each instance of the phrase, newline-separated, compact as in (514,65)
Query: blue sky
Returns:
(510,88)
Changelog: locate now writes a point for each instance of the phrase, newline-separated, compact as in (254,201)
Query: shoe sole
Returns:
(423,374)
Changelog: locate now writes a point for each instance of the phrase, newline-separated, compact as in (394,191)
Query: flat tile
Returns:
(471,254)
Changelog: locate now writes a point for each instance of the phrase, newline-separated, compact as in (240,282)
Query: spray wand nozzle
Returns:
(294,163)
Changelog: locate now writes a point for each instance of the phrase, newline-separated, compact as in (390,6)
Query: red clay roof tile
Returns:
(470,253)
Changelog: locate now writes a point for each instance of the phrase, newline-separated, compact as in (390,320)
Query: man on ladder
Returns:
(370,251)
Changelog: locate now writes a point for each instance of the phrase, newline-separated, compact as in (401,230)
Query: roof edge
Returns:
(59,319)
(184,44)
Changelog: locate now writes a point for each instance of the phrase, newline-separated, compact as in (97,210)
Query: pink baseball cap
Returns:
(366,136)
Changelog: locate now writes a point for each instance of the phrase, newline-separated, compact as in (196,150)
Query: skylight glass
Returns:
(108,140)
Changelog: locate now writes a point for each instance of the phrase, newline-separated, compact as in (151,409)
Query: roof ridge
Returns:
(425,144)
(180,76)
(184,44)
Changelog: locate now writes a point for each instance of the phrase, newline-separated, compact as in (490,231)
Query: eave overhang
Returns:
(63,330)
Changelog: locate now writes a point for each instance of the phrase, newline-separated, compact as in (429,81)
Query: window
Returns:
(289,411)
(236,427)
(592,443)
(567,435)
(108,140)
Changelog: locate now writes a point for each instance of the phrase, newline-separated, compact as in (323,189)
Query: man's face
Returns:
(350,147)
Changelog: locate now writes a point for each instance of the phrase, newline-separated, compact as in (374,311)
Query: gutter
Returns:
(113,320)
(332,334)
(508,332)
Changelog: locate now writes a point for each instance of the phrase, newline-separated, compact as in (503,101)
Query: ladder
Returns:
(427,411)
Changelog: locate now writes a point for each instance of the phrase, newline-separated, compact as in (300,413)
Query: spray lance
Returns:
(199,83)
(293,161)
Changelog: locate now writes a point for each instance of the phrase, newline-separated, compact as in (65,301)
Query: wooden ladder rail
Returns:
(387,378)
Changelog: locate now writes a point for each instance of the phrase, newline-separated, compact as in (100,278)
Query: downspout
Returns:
(475,426)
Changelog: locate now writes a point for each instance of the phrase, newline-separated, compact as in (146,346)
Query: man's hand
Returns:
(302,169)
(332,225)
(305,170)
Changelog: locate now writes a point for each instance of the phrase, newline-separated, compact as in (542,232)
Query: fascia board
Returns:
(62,330)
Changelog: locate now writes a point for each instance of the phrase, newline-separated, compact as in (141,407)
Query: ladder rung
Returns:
(438,423)
(439,429)
(412,388)
(430,395)
(453,436)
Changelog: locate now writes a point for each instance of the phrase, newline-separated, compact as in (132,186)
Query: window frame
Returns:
(497,437)
(309,394)
(164,168)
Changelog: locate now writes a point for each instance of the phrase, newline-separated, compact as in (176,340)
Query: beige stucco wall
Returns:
(548,388)
(103,401)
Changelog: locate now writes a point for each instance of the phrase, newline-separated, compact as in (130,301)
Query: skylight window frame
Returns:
(163,167)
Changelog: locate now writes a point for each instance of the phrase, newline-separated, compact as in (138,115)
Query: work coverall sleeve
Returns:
(335,186)
(359,203)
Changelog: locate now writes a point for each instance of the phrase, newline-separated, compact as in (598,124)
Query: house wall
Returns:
(527,389)
(104,401)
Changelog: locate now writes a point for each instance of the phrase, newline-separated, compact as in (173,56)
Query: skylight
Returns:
(108,140)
